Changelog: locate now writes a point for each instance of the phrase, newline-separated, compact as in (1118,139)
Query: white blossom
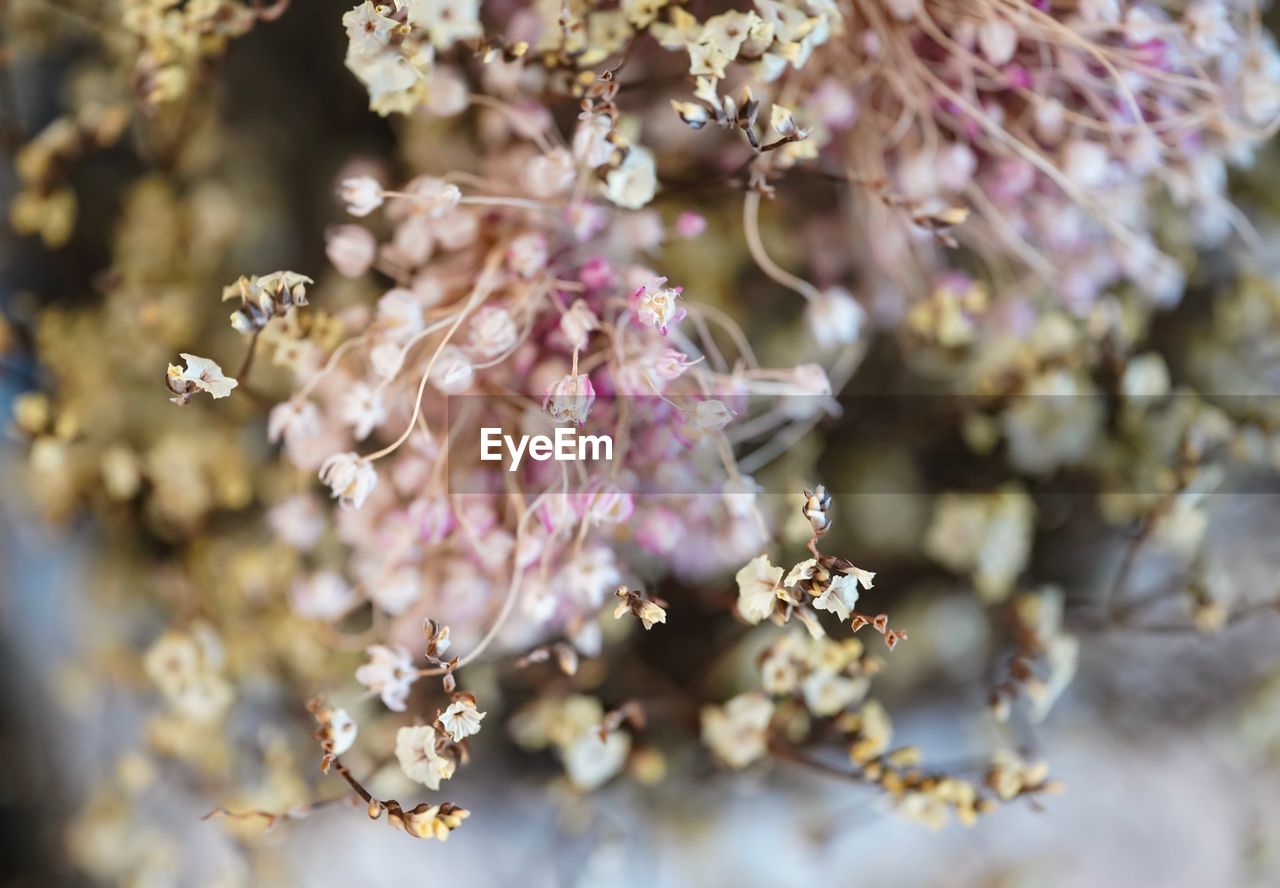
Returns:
(569,398)
(322,596)
(361,194)
(757,589)
(493,332)
(419,759)
(737,731)
(349,477)
(634,182)
(204,374)
(591,762)
(461,719)
(840,596)
(390,674)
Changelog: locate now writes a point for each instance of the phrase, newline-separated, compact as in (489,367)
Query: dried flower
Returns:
(421,758)
(350,478)
(655,305)
(570,398)
(390,674)
(758,583)
(461,719)
(200,374)
(361,194)
(737,732)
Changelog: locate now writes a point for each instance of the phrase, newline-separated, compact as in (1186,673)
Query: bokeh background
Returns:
(117,519)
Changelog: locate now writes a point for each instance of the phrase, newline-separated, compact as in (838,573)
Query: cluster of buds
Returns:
(726,112)
(265,297)
(423,821)
(647,610)
(817,508)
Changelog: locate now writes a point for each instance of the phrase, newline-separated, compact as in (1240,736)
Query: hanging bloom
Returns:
(461,719)
(390,674)
(361,194)
(570,398)
(655,305)
(420,758)
(757,589)
(349,477)
(200,374)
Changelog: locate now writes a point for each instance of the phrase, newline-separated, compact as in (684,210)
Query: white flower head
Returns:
(341,731)
(363,410)
(591,762)
(591,144)
(802,571)
(569,399)
(758,583)
(390,674)
(351,249)
(527,254)
(447,21)
(493,332)
(840,596)
(361,194)
(578,323)
(453,372)
(420,759)
(322,596)
(200,374)
(368,31)
(433,196)
(835,318)
(350,478)
(461,719)
(738,731)
(634,182)
(655,305)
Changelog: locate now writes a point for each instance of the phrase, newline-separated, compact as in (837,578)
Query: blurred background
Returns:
(1145,522)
